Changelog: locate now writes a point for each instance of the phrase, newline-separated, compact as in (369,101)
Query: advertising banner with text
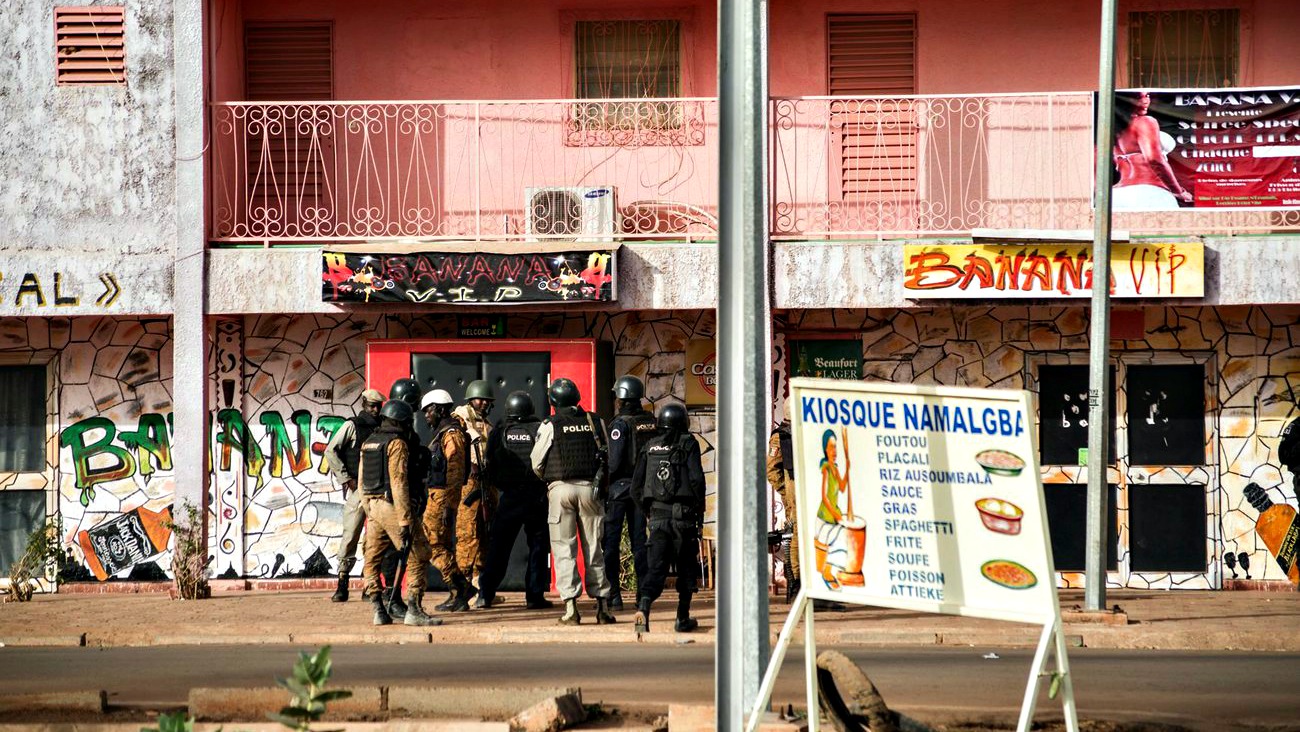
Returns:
(922,498)
(1206,148)
(701,372)
(468,278)
(1050,269)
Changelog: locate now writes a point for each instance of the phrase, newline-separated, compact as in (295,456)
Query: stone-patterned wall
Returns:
(300,376)
(108,447)
(1253,366)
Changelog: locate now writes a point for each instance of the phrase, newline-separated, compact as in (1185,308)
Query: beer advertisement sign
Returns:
(701,373)
(922,498)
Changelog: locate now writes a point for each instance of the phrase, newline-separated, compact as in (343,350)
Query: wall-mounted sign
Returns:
(481,326)
(468,278)
(1050,269)
(701,373)
(46,284)
(1206,148)
(827,359)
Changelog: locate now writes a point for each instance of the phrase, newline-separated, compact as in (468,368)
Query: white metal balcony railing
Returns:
(840,168)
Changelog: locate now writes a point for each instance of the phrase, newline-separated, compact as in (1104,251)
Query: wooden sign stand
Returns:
(803,606)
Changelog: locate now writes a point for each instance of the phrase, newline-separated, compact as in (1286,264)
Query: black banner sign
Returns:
(468,278)
(1206,148)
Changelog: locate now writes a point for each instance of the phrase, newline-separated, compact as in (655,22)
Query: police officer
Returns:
(669,484)
(522,504)
(343,454)
(392,509)
(477,500)
(448,468)
(632,428)
(780,474)
(570,456)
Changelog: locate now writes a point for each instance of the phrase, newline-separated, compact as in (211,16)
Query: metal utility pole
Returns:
(1099,346)
(744,360)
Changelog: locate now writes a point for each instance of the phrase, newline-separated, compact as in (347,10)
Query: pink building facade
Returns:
(390,129)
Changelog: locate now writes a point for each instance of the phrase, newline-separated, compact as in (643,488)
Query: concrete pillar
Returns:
(189,324)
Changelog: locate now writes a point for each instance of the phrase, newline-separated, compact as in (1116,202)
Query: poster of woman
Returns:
(841,536)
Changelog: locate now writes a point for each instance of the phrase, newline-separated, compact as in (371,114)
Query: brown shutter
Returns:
(89,45)
(289,61)
(871,54)
(874,55)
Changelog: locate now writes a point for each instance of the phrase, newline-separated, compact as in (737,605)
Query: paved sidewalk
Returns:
(1194,620)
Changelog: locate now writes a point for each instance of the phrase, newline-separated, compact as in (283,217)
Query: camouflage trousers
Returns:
(787,498)
(456,531)
(384,532)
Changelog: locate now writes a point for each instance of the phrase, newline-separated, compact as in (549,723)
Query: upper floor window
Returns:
(1184,48)
(22,419)
(90,45)
(620,59)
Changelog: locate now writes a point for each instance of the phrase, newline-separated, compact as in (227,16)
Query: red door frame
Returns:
(390,360)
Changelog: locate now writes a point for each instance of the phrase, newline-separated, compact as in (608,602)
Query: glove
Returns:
(473,496)
(404,544)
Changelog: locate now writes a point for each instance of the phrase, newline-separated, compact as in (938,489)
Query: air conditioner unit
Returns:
(581,213)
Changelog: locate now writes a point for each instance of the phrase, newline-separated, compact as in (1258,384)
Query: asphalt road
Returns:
(1205,691)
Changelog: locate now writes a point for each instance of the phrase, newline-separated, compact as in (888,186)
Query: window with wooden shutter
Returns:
(1184,48)
(89,45)
(874,55)
(289,158)
(619,59)
(291,60)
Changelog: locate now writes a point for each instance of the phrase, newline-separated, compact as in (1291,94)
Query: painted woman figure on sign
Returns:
(834,550)
(1146,181)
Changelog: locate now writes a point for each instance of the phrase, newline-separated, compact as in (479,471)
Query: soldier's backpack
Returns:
(664,470)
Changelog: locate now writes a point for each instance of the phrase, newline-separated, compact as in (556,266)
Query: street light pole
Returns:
(744,360)
(1098,347)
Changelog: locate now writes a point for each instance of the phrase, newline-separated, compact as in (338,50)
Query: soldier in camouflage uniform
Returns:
(448,468)
(780,473)
(478,498)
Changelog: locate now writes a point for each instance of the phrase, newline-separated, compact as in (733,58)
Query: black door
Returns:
(505,372)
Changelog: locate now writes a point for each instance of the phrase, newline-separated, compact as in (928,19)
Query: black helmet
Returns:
(479,389)
(563,393)
(629,387)
(408,390)
(397,410)
(673,416)
(519,404)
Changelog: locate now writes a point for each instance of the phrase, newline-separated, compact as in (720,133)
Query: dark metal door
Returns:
(450,371)
(505,372)
(508,372)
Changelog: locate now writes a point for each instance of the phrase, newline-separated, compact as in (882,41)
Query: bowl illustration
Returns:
(1009,574)
(1000,516)
(1000,462)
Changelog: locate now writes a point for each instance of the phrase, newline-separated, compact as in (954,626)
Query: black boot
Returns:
(463,592)
(396,608)
(792,590)
(341,593)
(538,602)
(641,621)
(685,623)
(415,614)
(616,601)
(603,616)
(381,614)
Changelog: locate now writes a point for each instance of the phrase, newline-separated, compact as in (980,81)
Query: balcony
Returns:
(841,168)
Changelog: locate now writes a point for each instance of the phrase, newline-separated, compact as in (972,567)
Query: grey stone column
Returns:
(189,295)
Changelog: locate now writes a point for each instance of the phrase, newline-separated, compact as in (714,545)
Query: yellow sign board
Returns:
(1050,269)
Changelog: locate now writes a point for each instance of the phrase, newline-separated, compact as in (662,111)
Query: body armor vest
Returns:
(787,450)
(374,464)
(573,453)
(514,465)
(437,476)
(364,425)
(642,424)
(666,476)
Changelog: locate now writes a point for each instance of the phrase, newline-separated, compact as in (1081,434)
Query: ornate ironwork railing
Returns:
(648,168)
(329,171)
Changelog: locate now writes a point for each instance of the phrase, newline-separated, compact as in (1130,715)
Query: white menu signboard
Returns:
(922,498)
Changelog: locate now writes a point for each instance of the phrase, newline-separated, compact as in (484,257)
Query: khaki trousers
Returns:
(353,519)
(574,515)
(386,532)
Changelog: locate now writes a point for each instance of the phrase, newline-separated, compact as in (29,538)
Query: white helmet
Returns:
(436,396)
